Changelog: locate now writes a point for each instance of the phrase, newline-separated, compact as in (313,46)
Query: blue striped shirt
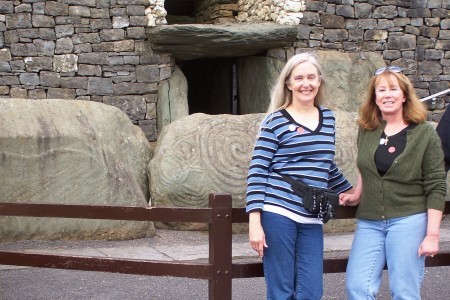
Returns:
(286,147)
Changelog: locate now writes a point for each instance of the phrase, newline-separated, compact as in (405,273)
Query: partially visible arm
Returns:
(435,189)
(337,180)
(256,233)
(430,245)
(266,146)
(433,173)
(349,198)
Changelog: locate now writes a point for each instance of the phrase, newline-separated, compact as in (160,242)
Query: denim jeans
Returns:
(394,243)
(293,260)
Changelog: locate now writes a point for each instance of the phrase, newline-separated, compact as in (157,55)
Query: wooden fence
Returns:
(219,270)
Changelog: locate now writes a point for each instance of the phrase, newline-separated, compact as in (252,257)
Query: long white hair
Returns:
(281,96)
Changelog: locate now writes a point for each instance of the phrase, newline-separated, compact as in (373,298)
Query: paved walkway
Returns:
(25,283)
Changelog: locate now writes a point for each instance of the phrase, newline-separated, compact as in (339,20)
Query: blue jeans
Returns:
(293,260)
(394,242)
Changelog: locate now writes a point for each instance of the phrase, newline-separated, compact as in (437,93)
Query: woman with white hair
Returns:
(295,145)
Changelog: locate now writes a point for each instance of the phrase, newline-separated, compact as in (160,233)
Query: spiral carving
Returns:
(200,154)
(226,146)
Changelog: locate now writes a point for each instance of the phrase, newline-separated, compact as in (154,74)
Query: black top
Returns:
(388,151)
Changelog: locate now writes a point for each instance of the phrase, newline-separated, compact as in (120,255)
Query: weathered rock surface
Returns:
(201,154)
(347,77)
(71,152)
(256,75)
(172,99)
(192,41)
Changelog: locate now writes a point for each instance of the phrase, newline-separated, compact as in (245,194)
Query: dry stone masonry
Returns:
(216,13)
(219,12)
(412,34)
(100,50)
(156,13)
(281,11)
(92,50)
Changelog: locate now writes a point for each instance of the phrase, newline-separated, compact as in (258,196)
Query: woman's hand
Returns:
(429,246)
(352,196)
(256,233)
(348,199)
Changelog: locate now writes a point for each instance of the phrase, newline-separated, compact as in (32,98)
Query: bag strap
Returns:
(304,188)
(297,185)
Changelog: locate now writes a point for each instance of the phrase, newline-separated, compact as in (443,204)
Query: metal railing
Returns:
(219,270)
(434,96)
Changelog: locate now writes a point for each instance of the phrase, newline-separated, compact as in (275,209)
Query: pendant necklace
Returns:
(385,140)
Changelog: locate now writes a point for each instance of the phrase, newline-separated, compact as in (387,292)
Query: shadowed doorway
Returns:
(212,85)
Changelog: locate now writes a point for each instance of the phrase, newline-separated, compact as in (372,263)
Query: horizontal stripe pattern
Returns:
(304,155)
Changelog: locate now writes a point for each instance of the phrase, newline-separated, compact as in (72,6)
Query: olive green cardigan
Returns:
(415,182)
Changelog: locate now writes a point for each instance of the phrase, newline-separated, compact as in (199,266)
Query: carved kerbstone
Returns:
(201,154)
(71,152)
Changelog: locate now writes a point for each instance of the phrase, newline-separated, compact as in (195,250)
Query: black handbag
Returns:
(315,200)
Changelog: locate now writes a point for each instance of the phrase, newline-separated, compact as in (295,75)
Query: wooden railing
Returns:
(219,270)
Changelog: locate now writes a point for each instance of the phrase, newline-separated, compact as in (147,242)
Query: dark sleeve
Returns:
(443,130)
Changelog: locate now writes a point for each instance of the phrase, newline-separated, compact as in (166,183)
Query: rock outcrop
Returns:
(71,152)
(348,76)
(201,154)
(193,41)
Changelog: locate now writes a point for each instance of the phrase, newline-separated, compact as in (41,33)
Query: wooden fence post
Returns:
(220,247)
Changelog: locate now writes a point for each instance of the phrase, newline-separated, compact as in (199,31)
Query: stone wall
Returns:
(226,11)
(216,12)
(98,50)
(412,34)
(156,13)
(281,11)
(82,49)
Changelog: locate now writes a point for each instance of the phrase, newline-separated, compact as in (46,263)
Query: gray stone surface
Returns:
(256,77)
(71,152)
(191,41)
(201,154)
(347,77)
(100,39)
(172,99)
(175,246)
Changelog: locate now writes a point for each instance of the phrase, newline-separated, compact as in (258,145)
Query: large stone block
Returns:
(71,152)
(172,99)
(347,76)
(18,21)
(201,154)
(251,99)
(192,41)
(6,7)
(65,63)
(5,55)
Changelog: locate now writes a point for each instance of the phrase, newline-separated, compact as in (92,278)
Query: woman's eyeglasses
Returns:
(394,69)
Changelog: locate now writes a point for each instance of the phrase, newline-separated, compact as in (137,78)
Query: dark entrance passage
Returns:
(179,7)
(212,85)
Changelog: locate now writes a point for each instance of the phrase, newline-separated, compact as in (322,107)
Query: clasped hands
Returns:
(349,199)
